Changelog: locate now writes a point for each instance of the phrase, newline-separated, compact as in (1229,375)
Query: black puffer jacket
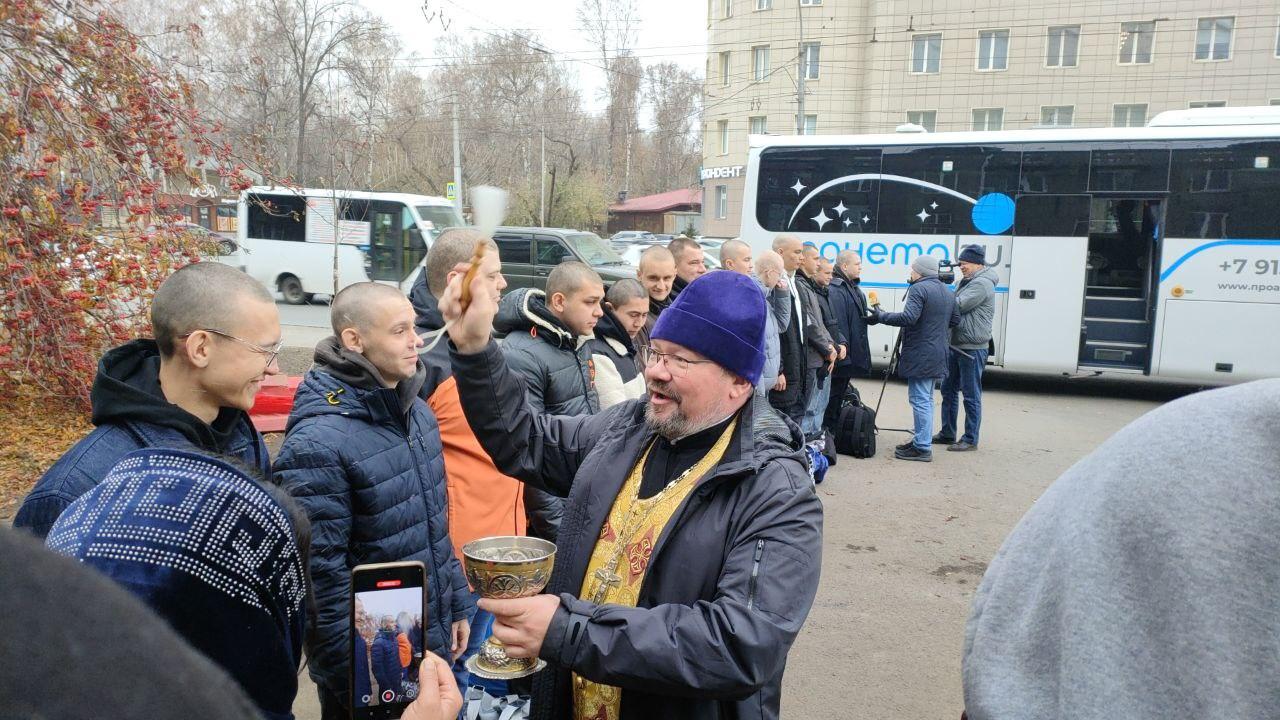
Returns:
(730,580)
(558,376)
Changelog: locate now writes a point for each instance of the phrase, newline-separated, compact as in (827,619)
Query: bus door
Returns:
(1046,277)
(1120,281)
(385,241)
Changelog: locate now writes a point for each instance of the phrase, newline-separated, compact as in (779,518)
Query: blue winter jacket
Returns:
(371,478)
(926,320)
(131,413)
(386,661)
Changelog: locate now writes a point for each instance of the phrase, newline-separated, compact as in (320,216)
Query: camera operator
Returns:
(929,310)
(967,356)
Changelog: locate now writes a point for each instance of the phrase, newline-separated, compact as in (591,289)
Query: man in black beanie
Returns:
(640,620)
(967,356)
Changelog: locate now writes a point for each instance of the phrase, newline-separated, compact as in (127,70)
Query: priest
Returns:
(690,549)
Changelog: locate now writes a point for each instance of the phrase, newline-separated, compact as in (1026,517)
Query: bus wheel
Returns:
(291,289)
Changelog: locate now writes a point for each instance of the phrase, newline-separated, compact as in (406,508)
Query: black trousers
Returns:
(331,708)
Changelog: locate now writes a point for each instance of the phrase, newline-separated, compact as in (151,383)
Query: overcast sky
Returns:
(673,30)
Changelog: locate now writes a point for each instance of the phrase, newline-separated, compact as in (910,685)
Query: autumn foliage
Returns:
(90,126)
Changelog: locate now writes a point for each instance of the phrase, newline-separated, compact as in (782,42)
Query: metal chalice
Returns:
(503,568)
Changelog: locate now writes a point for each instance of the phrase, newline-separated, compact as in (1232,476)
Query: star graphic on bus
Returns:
(821,218)
(865,218)
(840,209)
(923,215)
(847,222)
(933,206)
(798,186)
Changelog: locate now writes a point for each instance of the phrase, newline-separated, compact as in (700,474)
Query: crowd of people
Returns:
(654,430)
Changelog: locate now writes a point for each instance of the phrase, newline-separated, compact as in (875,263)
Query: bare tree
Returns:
(611,26)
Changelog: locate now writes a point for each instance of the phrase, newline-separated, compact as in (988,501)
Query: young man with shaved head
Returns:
(850,309)
(547,341)
(482,501)
(362,454)
(217,334)
(690,264)
(657,273)
(613,349)
(691,546)
(772,281)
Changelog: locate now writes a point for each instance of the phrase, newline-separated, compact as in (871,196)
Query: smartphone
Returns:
(388,614)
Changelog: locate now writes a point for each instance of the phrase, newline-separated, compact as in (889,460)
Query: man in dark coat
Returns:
(814,276)
(794,379)
(685,605)
(690,263)
(849,306)
(548,342)
(657,273)
(217,334)
(927,316)
(385,658)
(362,454)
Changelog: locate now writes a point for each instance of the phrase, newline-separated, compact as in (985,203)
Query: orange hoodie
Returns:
(482,501)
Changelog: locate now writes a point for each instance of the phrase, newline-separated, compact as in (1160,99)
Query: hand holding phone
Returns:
(388,614)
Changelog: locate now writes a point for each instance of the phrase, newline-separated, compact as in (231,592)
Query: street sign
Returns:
(451,191)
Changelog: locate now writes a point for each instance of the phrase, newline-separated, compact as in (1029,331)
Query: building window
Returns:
(811,60)
(1136,39)
(1207,104)
(1278,39)
(1063,47)
(722,127)
(764,4)
(724,69)
(988,118)
(926,52)
(760,62)
(728,9)
(810,126)
(805,3)
(927,119)
(993,50)
(758,125)
(1057,115)
(1213,38)
(1275,101)
(722,202)
(1129,115)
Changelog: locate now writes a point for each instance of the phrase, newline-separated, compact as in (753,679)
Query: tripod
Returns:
(893,365)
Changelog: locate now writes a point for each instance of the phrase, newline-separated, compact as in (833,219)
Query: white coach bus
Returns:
(1150,250)
(288,237)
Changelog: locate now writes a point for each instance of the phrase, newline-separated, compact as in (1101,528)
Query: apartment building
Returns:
(872,65)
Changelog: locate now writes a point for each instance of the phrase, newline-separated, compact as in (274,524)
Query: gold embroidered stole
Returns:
(621,558)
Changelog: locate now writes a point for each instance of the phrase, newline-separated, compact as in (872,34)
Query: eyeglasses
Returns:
(271,352)
(676,365)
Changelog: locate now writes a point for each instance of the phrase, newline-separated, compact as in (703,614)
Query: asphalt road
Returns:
(905,544)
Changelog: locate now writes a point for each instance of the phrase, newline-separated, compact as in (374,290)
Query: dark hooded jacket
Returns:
(558,377)
(926,320)
(1142,584)
(617,369)
(131,412)
(365,462)
(849,309)
(730,580)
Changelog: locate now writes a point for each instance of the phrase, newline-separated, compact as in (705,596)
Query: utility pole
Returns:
(803,69)
(542,188)
(457,161)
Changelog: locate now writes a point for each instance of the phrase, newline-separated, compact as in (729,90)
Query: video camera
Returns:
(947,271)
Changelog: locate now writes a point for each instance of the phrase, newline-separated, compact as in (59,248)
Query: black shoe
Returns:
(905,445)
(913,453)
(941,439)
(961,446)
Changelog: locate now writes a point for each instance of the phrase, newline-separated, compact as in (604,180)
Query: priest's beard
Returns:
(677,424)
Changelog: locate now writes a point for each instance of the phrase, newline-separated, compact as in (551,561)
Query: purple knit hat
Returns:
(719,315)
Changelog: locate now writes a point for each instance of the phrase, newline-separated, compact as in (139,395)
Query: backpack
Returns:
(855,428)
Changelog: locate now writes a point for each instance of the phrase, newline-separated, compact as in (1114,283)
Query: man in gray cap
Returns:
(926,318)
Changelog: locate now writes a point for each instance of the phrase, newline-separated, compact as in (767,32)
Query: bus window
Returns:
(789,176)
(386,241)
(413,246)
(277,217)
(1052,216)
(1224,190)
(1053,171)
(933,207)
(440,217)
(1127,170)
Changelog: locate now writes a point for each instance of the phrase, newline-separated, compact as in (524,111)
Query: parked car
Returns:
(632,253)
(530,254)
(627,236)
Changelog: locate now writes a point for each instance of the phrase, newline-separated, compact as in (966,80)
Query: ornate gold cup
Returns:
(503,568)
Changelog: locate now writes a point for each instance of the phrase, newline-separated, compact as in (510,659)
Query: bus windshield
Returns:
(594,250)
(440,217)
